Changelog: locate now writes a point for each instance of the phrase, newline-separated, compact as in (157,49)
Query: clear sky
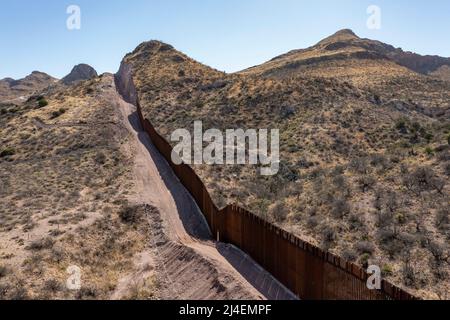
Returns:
(229,35)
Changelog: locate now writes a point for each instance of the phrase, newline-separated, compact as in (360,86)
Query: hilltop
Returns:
(21,89)
(79,73)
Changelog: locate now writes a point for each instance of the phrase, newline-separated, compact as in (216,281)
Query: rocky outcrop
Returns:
(11,89)
(79,73)
(125,85)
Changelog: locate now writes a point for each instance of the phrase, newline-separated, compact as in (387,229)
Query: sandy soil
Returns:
(190,265)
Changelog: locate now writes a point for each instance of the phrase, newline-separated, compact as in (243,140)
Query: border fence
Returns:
(305,269)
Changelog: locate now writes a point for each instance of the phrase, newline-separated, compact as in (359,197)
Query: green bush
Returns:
(42,102)
(387,270)
(429,151)
(56,114)
(429,137)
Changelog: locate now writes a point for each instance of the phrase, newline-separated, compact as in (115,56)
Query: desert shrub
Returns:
(401,125)
(56,114)
(3,271)
(356,222)
(429,151)
(438,250)
(428,136)
(41,244)
(42,102)
(131,214)
(100,158)
(341,185)
(56,254)
(4,288)
(86,293)
(409,275)
(329,236)
(359,165)
(364,260)
(366,183)
(447,168)
(278,211)
(380,161)
(7,152)
(439,271)
(391,201)
(349,255)
(444,155)
(312,222)
(423,179)
(387,270)
(442,219)
(365,247)
(340,208)
(389,242)
(18,293)
(408,240)
(52,286)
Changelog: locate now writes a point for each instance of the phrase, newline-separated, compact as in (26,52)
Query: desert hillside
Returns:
(64,181)
(365,155)
(18,90)
(83,187)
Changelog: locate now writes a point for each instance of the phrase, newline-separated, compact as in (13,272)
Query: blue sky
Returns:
(229,35)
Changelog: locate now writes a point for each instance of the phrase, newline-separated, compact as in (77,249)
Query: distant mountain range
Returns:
(13,90)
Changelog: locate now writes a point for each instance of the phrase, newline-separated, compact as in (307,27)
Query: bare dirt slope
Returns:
(192,267)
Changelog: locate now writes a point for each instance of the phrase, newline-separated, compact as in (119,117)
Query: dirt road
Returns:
(191,265)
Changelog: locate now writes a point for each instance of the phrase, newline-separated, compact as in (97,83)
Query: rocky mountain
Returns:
(21,89)
(79,73)
(428,65)
(364,147)
(344,52)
